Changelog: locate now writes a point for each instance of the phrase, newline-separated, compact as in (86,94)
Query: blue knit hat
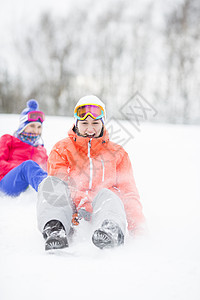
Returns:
(32,105)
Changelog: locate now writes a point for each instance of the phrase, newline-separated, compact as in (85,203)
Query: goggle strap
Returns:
(24,118)
(89,114)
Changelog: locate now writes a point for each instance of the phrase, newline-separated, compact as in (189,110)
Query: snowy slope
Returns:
(164,265)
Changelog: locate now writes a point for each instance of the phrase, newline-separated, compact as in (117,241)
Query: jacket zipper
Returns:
(102,162)
(91,165)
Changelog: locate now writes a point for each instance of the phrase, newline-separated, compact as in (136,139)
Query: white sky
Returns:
(14,11)
(18,15)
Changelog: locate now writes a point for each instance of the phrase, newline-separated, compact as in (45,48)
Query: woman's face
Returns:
(90,127)
(34,127)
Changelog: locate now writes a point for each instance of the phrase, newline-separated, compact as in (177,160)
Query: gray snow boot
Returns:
(54,235)
(108,236)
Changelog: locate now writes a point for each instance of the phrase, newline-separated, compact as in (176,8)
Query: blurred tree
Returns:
(183,44)
(47,53)
(11,93)
(111,49)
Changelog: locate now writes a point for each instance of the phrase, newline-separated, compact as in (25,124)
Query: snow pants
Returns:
(19,178)
(54,203)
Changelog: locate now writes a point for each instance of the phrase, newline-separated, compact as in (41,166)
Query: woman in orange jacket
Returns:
(90,178)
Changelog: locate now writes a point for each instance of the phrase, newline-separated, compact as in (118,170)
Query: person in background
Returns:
(91,178)
(23,158)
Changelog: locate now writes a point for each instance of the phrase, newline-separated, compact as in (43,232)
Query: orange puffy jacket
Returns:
(88,165)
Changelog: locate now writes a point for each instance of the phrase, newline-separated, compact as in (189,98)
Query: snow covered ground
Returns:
(164,265)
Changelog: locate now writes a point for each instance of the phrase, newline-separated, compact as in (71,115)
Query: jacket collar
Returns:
(82,142)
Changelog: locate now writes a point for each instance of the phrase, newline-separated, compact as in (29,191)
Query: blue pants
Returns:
(19,178)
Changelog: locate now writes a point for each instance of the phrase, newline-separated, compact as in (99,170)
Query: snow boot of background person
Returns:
(19,178)
(54,235)
(54,203)
(109,220)
(108,236)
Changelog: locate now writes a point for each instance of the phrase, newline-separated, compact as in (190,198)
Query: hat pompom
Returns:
(32,104)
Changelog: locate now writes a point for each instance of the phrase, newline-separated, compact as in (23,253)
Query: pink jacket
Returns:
(13,152)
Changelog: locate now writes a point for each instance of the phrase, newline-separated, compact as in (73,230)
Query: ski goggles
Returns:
(33,116)
(83,111)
